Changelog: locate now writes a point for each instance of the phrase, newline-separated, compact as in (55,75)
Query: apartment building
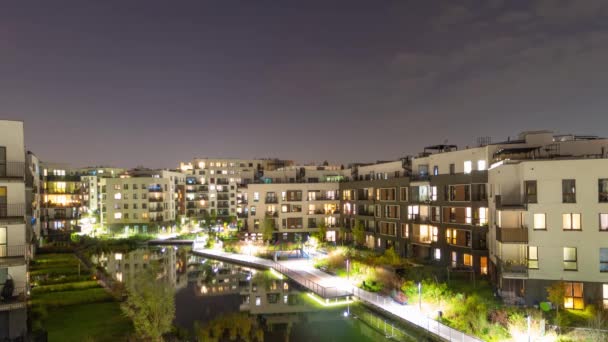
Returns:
(549,214)
(14,243)
(213,187)
(141,201)
(91,179)
(296,209)
(62,203)
(375,200)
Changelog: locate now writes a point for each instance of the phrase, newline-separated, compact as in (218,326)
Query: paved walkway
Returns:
(329,286)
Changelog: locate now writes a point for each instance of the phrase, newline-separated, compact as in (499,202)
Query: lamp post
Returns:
(348,270)
(420,296)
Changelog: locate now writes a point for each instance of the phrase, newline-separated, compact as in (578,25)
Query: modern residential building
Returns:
(15,245)
(141,201)
(213,185)
(62,203)
(548,216)
(376,200)
(296,209)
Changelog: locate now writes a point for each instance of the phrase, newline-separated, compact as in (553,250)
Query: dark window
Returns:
(531,192)
(435,170)
(569,191)
(603,190)
(452,169)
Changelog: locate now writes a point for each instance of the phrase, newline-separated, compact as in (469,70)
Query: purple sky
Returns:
(151,83)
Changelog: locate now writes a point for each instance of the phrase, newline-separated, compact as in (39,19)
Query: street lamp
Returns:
(420,296)
(347,269)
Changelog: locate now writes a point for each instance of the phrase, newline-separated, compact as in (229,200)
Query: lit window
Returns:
(117,216)
(469,214)
(539,221)
(117,196)
(118,256)
(468,166)
(481,165)
(571,221)
(467,259)
(258,301)
(256,196)
(604,222)
(573,297)
(570,259)
(483,265)
(437,254)
(605,295)
(532,257)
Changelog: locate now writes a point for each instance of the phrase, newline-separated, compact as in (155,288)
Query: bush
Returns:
(82,285)
(56,299)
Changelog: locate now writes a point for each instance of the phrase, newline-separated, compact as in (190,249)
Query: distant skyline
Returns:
(153,83)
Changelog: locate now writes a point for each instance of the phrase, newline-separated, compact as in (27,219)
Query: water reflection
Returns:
(210,292)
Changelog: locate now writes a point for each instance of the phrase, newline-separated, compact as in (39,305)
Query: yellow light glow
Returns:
(327,303)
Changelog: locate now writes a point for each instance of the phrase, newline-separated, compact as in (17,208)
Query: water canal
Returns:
(213,293)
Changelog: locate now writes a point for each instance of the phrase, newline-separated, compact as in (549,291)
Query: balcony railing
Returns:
(10,169)
(422,239)
(271,200)
(12,251)
(512,235)
(420,178)
(516,205)
(155,209)
(365,213)
(155,189)
(417,218)
(513,268)
(155,199)
(12,211)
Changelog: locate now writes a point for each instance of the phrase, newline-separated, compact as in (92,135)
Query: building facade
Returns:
(62,202)
(15,246)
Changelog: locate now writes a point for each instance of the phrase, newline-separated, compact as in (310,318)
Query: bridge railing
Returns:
(430,325)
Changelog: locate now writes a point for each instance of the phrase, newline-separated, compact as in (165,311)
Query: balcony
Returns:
(272,214)
(12,252)
(513,205)
(223,197)
(223,205)
(203,188)
(18,300)
(513,268)
(155,199)
(271,200)
(424,239)
(420,178)
(11,212)
(155,209)
(10,169)
(323,198)
(417,218)
(158,218)
(512,235)
(157,188)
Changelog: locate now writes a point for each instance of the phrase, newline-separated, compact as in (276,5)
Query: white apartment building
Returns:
(91,185)
(14,244)
(550,224)
(297,209)
(213,187)
(140,202)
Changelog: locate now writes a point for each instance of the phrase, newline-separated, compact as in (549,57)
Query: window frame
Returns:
(566,261)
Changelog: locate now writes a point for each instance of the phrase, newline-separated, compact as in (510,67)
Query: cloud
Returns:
(568,11)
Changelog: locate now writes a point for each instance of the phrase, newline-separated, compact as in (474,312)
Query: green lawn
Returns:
(88,322)
(72,307)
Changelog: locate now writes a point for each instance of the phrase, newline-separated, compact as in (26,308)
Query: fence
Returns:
(413,316)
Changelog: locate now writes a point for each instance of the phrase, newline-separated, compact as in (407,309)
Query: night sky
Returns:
(152,83)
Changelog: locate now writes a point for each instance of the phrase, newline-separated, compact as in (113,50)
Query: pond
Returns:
(212,293)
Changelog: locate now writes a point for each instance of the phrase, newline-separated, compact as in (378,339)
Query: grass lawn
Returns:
(88,322)
(66,298)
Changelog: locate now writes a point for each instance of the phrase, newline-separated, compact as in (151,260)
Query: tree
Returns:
(322,233)
(268,229)
(359,233)
(556,293)
(150,305)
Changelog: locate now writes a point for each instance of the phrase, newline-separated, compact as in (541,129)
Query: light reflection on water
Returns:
(206,289)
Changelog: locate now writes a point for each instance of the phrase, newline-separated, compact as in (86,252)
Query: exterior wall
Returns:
(379,171)
(359,202)
(61,199)
(508,180)
(147,208)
